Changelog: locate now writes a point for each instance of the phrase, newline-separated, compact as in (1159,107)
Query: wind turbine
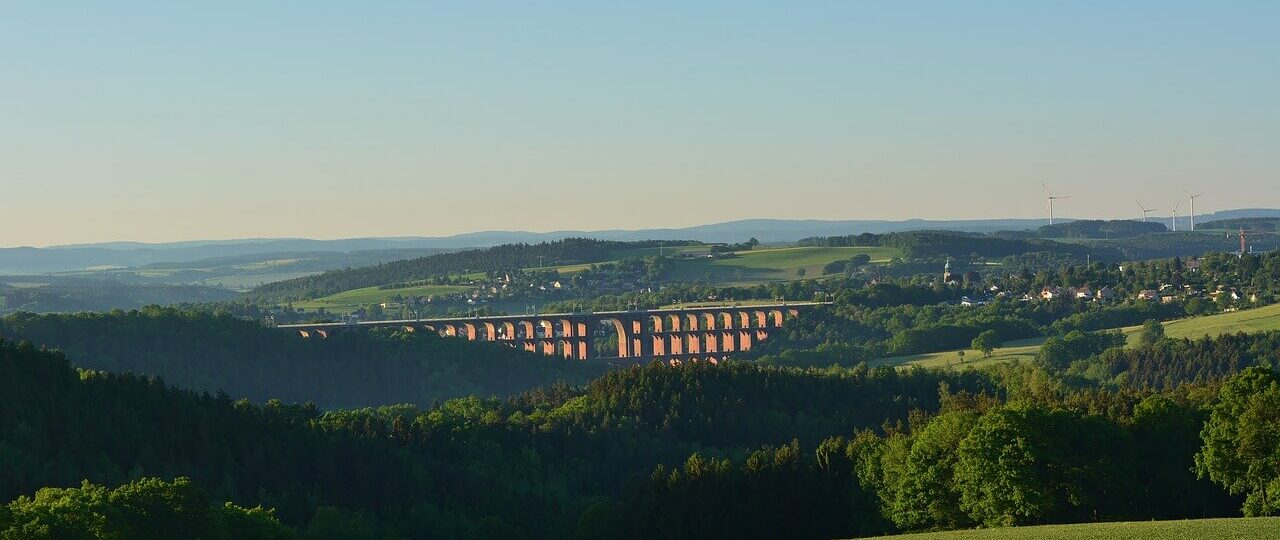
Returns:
(1051,197)
(1145,211)
(1175,215)
(1193,207)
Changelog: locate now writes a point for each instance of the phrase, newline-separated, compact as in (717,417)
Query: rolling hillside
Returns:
(346,300)
(1196,529)
(777,264)
(25,260)
(760,265)
(1250,320)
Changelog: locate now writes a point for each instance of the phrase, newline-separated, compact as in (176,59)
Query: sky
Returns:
(161,121)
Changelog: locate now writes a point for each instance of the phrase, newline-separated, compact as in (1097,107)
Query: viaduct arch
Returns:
(675,335)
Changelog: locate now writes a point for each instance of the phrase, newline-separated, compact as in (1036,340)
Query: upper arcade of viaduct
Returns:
(691,333)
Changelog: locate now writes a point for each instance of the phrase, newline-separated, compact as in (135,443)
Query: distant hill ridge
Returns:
(1248,224)
(503,257)
(28,260)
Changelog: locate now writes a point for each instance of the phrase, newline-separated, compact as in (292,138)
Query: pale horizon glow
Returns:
(159,121)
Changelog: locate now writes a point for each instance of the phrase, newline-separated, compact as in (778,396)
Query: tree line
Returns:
(206,352)
(675,452)
(933,244)
(503,257)
(531,465)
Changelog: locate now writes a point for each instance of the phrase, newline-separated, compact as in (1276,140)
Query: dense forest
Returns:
(887,319)
(532,465)
(1267,224)
(201,351)
(131,425)
(498,258)
(868,321)
(1097,228)
(145,508)
(1111,241)
(1189,244)
(700,450)
(69,295)
(932,244)
(1167,363)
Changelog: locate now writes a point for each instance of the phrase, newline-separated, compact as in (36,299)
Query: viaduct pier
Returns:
(676,334)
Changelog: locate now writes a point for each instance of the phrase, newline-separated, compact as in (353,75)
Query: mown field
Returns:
(668,251)
(772,264)
(1250,320)
(747,268)
(1023,349)
(1196,529)
(347,300)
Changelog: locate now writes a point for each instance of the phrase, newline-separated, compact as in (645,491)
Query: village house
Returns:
(1049,293)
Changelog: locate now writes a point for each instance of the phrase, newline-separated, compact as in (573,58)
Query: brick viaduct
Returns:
(692,333)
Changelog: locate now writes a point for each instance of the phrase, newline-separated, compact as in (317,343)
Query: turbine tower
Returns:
(1145,211)
(1193,207)
(1175,215)
(1050,197)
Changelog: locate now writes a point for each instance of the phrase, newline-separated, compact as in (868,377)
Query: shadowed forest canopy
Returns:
(1100,430)
(212,353)
(932,244)
(1268,224)
(1097,228)
(146,508)
(644,452)
(533,465)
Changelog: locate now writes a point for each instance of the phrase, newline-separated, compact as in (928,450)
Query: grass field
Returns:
(776,264)
(748,268)
(1023,349)
(346,300)
(669,251)
(1196,529)
(1250,320)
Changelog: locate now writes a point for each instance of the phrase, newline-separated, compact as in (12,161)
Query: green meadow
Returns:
(1250,320)
(348,300)
(1195,529)
(772,264)
(745,268)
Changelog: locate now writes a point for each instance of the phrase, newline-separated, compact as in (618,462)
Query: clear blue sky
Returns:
(135,120)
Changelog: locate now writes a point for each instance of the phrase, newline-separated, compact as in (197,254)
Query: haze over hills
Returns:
(76,257)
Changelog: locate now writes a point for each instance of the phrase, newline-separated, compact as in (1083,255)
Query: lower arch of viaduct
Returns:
(675,335)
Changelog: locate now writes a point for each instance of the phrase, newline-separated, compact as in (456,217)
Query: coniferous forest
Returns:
(201,351)
(162,421)
(639,270)
(738,449)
